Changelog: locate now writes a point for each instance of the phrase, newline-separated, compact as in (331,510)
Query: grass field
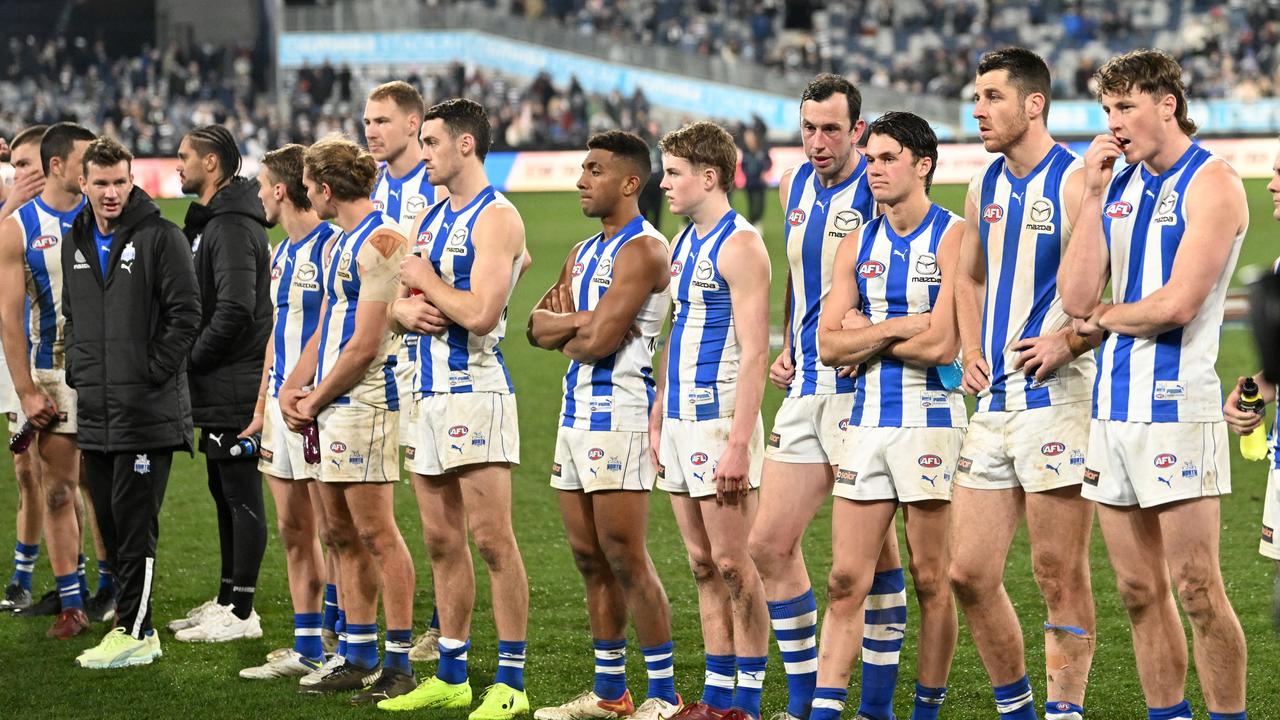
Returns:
(194,681)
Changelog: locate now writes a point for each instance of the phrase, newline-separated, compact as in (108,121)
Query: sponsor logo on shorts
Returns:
(458,431)
(614,465)
(556,469)
(844,424)
(1268,535)
(266,453)
(1091,476)
(846,477)
(1164,460)
(1118,209)
(795,217)
(410,452)
(775,440)
(964,465)
(931,479)
(595,454)
(477,439)
(993,213)
(929,461)
(1189,470)
(337,447)
(355,458)
(1052,449)
(699,458)
(1077,457)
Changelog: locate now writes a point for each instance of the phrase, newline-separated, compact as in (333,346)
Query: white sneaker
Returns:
(655,708)
(587,706)
(291,664)
(329,666)
(222,625)
(192,618)
(427,648)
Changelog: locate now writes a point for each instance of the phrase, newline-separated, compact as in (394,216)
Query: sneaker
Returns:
(343,678)
(70,623)
(120,649)
(390,684)
(329,641)
(318,674)
(427,647)
(290,664)
(221,625)
(588,705)
(192,618)
(101,607)
(16,598)
(48,604)
(433,693)
(655,708)
(698,711)
(501,702)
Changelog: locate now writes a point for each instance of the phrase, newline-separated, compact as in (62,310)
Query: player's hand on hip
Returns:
(1241,422)
(1041,356)
(1099,162)
(731,474)
(783,370)
(39,408)
(977,374)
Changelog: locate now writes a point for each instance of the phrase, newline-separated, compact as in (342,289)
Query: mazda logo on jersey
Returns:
(307,272)
(1052,448)
(871,269)
(458,237)
(415,204)
(595,454)
(1041,210)
(795,217)
(847,220)
(993,213)
(1164,460)
(699,458)
(1118,209)
(704,271)
(605,266)
(458,431)
(929,461)
(1167,203)
(927,264)
(44,242)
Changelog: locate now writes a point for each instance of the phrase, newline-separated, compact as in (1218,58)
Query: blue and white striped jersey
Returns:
(357,270)
(702,355)
(1169,377)
(43,230)
(818,218)
(616,392)
(297,297)
(1024,230)
(404,198)
(458,361)
(899,276)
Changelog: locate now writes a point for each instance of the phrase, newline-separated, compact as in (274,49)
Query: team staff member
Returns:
(132,310)
(227,229)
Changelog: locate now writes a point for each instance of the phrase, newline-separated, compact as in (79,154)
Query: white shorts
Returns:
(451,430)
(8,398)
(54,384)
(358,444)
(1150,464)
(1037,449)
(281,455)
(593,460)
(689,450)
(1270,516)
(809,429)
(903,464)
(405,373)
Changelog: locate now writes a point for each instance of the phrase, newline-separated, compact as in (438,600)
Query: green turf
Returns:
(37,676)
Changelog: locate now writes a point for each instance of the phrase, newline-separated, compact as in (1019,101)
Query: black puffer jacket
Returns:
(232,260)
(127,337)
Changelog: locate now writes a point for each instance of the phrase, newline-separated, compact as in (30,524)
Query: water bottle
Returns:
(247,447)
(1254,445)
(951,374)
(311,443)
(22,440)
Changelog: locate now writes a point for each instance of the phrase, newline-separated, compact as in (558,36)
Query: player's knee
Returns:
(494,546)
(845,585)
(591,565)
(377,541)
(970,584)
(295,533)
(704,570)
(1050,576)
(931,582)
(58,497)
(1140,593)
(767,552)
(1198,592)
(339,538)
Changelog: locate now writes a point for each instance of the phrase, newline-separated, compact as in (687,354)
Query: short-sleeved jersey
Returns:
(1169,377)
(899,276)
(818,218)
(458,361)
(297,298)
(1024,230)
(43,230)
(357,270)
(403,198)
(615,392)
(703,354)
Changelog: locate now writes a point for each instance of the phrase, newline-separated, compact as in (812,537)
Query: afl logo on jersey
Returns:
(44,242)
(929,461)
(578,269)
(595,454)
(414,205)
(1164,460)
(276,272)
(1118,209)
(795,217)
(846,221)
(698,458)
(424,239)
(1052,448)
(993,213)
(379,205)
(871,269)
(675,268)
(458,431)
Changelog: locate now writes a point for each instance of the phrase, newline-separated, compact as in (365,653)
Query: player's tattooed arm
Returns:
(939,343)
(553,321)
(641,269)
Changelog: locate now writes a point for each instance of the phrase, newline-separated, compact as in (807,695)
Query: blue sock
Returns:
(362,644)
(69,591)
(795,626)
(1056,709)
(928,702)
(750,680)
(399,643)
(511,663)
(659,661)
(106,581)
(80,576)
(435,620)
(717,688)
(453,660)
(24,563)
(1015,702)
(885,617)
(330,620)
(828,703)
(1227,716)
(1181,711)
(306,636)
(611,668)
(341,628)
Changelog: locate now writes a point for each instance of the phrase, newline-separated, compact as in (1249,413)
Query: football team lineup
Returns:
(939,348)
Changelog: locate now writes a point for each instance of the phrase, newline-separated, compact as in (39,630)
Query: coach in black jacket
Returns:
(227,229)
(130,302)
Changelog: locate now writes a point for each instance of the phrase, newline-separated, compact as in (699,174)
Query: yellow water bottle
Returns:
(1254,445)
